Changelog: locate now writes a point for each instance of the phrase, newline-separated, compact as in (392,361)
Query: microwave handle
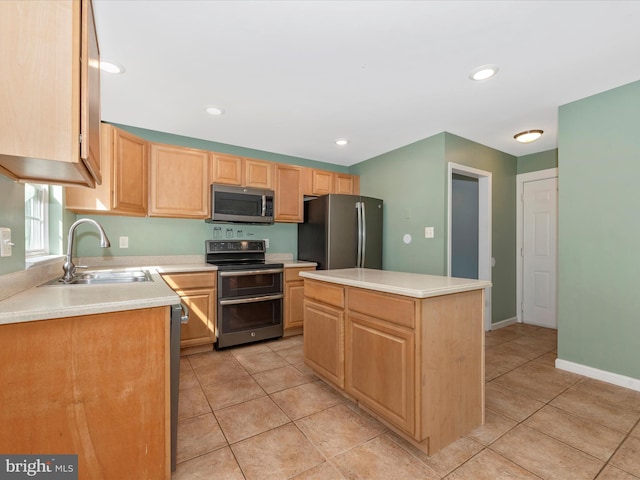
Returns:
(264,205)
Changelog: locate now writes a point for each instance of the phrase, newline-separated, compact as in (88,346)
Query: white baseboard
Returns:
(504,323)
(602,375)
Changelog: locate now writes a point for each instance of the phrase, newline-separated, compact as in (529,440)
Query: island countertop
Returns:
(414,285)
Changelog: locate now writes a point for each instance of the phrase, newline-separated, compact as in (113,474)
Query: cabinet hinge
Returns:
(80,138)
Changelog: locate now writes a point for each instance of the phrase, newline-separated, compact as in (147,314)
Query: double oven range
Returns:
(249,293)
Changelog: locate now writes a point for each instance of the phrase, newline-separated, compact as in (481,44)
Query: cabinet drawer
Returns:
(293,274)
(181,281)
(324,293)
(392,308)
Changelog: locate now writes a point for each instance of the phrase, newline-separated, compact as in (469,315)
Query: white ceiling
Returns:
(293,76)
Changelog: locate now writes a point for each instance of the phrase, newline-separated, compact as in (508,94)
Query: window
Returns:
(36,219)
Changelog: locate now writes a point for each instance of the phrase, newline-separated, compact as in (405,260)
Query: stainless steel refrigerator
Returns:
(341,231)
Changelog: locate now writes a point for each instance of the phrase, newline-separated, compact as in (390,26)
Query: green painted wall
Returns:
(12,216)
(412,181)
(599,231)
(538,161)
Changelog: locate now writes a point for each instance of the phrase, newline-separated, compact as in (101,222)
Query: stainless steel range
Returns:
(250,292)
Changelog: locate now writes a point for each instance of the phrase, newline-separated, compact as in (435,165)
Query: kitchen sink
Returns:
(98,277)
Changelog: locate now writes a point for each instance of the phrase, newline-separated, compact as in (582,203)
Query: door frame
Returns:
(484,227)
(521,179)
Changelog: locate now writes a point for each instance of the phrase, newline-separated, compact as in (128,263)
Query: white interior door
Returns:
(540,252)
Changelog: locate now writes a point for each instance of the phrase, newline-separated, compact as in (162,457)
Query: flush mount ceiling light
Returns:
(528,136)
(213,110)
(111,67)
(483,72)
(341,142)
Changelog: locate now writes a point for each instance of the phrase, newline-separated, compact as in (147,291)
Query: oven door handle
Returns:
(239,301)
(242,273)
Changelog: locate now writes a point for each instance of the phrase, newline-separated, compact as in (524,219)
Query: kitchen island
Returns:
(409,348)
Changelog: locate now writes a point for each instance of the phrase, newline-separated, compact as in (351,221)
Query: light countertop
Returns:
(45,302)
(400,283)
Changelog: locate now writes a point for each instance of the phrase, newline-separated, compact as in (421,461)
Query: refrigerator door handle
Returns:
(364,234)
(359,254)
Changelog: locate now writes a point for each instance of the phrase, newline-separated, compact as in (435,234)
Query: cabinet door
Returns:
(344,183)
(124,183)
(380,368)
(294,297)
(130,160)
(227,169)
(42,95)
(293,306)
(198,292)
(324,340)
(90,91)
(288,193)
(321,182)
(201,327)
(179,182)
(258,174)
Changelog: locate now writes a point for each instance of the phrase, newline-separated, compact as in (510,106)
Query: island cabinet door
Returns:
(380,368)
(324,340)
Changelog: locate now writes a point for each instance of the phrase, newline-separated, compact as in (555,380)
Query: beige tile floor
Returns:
(258,413)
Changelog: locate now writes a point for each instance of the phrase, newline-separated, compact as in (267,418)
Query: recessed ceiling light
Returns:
(111,67)
(528,136)
(483,72)
(213,110)
(342,142)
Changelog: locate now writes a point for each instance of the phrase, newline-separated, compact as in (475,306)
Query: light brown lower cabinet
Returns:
(417,364)
(93,385)
(198,292)
(293,299)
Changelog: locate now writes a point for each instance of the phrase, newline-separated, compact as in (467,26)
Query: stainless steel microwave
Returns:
(231,204)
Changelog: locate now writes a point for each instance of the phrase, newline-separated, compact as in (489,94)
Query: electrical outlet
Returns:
(266,243)
(124,242)
(428,232)
(5,242)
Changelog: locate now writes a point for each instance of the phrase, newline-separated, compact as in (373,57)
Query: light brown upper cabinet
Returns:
(50,95)
(288,193)
(125,160)
(323,182)
(320,182)
(179,182)
(227,169)
(257,173)
(345,183)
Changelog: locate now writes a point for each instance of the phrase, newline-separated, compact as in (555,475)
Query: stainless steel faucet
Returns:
(68,267)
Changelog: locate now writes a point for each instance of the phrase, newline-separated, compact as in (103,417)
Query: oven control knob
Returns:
(253,334)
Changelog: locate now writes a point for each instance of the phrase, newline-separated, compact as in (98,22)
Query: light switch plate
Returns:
(124,242)
(5,242)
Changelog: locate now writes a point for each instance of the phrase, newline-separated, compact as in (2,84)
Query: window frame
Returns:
(41,218)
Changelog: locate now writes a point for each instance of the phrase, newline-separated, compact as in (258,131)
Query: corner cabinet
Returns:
(288,193)
(50,115)
(416,363)
(124,188)
(179,182)
(294,299)
(198,292)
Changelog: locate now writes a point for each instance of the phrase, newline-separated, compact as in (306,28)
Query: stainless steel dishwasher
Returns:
(179,315)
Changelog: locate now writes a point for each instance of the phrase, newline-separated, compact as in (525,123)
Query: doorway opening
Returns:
(474,183)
